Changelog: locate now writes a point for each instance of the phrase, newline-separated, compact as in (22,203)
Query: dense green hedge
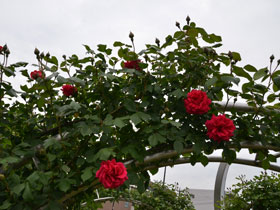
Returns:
(261,192)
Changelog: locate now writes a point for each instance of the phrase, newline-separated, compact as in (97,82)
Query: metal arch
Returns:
(220,183)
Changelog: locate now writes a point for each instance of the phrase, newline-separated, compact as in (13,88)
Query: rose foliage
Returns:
(53,139)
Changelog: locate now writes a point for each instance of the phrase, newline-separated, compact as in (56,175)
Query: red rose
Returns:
(220,128)
(1,48)
(133,65)
(197,102)
(69,90)
(112,174)
(35,74)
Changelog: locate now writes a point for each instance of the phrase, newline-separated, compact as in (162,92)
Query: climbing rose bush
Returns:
(220,128)
(69,90)
(51,146)
(112,174)
(35,74)
(133,64)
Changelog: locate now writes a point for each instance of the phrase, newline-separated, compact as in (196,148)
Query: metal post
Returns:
(164,173)
(220,183)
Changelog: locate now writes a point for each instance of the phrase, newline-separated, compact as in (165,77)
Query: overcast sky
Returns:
(60,27)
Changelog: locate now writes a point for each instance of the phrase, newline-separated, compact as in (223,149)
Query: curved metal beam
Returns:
(172,153)
(213,159)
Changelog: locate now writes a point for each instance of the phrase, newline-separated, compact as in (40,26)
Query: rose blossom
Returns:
(112,174)
(35,74)
(220,128)
(197,102)
(69,90)
(1,48)
(133,64)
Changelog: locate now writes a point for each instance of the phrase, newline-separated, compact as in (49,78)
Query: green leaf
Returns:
(118,44)
(236,56)
(18,188)
(102,154)
(53,60)
(178,146)
(178,93)
(87,174)
(276,81)
(101,47)
(192,32)
(108,120)
(211,81)
(153,171)
(52,76)
(27,193)
(85,129)
(240,72)
(130,105)
(260,88)
(174,123)
(250,68)
(119,123)
(9,71)
(9,160)
(230,79)
(89,50)
(65,168)
(204,160)
(144,116)
(51,157)
(246,87)
(61,80)
(33,177)
(135,119)
(77,80)
(20,64)
(271,98)
(5,205)
(50,142)
(260,73)
(197,148)
(229,155)
(155,139)
(265,164)
(64,185)
(179,34)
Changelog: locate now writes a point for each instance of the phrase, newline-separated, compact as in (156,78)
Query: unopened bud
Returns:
(271,58)
(188,19)
(131,36)
(42,55)
(7,52)
(157,41)
(177,24)
(64,57)
(206,50)
(36,51)
(230,55)
(278,62)
(48,55)
(146,58)
(5,47)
